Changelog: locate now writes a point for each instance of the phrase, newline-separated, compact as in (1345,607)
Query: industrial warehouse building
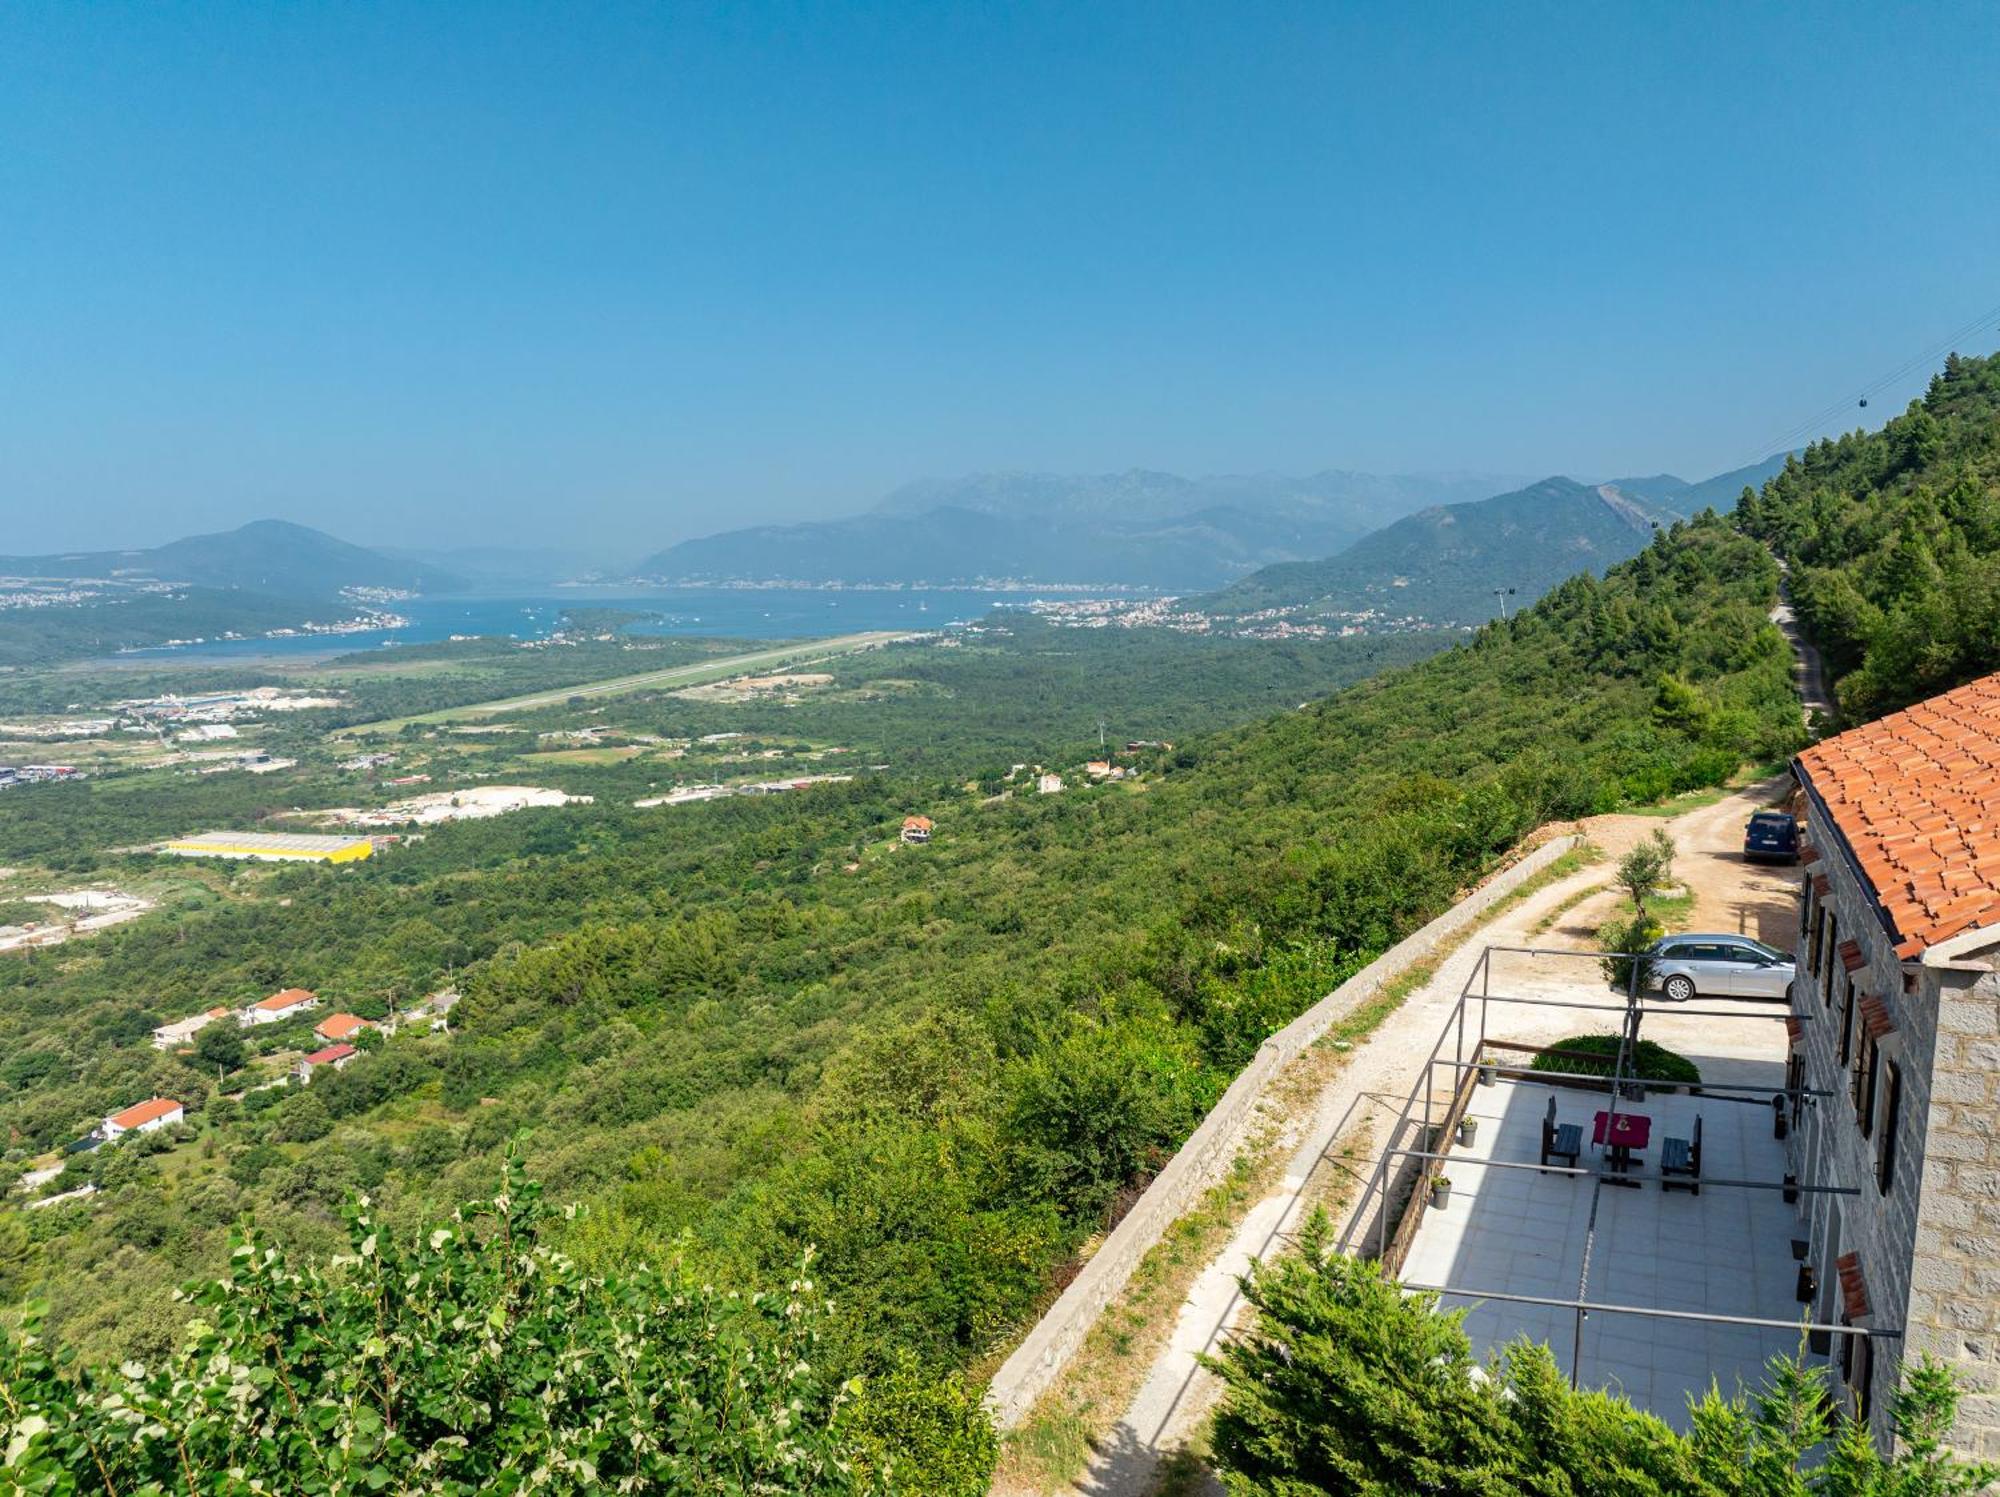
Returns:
(273,847)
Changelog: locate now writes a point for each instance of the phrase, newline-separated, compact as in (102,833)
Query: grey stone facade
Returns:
(1907,1051)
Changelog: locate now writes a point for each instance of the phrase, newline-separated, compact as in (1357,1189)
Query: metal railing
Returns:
(1419,1112)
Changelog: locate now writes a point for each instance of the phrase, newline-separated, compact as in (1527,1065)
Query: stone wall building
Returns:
(1897,1021)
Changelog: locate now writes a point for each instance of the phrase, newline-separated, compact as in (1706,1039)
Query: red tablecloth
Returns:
(1630,1130)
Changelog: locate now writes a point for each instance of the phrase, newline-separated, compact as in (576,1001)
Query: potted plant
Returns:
(1440,1191)
(1486,1073)
(1468,1130)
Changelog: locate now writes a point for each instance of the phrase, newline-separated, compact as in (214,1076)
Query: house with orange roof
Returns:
(288,1004)
(917,828)
(144,1117)
(340,1027)
(1894,1062)
(336,1056)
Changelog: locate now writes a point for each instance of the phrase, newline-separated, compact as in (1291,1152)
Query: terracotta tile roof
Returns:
(1808,853)
(1916,794)
(1875,1014)
(1794,1030)
(1822,885)
(1853,1287)
(330,1054)
(341,1026)
(290,998)
(144,1112)
(1851,957)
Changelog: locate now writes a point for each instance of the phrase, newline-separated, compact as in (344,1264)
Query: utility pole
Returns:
(1503,594)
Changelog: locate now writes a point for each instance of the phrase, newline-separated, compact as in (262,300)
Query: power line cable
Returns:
(1811,424)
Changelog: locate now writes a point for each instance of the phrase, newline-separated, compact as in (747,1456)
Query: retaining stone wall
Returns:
(1206,1156)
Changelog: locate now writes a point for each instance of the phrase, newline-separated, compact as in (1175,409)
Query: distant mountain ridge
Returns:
(274,557)
(1443,565)
(1138,528)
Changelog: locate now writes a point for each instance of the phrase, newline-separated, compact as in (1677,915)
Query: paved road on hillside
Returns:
(1808,675)
(679,675)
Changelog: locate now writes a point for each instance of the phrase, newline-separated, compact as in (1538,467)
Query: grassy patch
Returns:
(1548,921)
(1669,911)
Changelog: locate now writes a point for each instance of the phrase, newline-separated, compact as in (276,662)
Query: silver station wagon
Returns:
(1719,966)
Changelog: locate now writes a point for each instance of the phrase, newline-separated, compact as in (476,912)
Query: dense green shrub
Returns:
(474,1358)
(1597,1055)
(1348,1384)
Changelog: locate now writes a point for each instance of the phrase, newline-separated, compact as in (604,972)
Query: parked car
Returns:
(1772,836)
(1719,966)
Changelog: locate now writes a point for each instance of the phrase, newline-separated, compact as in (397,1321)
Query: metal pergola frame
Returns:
(1634,1009)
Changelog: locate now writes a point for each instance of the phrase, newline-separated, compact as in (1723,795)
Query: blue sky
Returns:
(609,275)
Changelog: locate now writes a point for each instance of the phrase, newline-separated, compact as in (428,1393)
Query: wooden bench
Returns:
(1562,1141)
(1681,1156)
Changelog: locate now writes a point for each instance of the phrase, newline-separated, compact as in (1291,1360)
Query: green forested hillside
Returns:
(1893,538)
(753,1025)
(1441,565)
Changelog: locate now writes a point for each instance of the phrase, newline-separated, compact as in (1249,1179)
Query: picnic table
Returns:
(1621,1133)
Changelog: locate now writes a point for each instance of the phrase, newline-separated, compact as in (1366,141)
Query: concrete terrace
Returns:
(1615,1242)
(1723,1252)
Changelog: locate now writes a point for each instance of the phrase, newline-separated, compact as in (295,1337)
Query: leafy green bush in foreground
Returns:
(476,1359)
(1597,1055)
(1348,1384)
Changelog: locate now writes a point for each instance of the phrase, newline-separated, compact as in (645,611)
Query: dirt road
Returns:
(1729,895)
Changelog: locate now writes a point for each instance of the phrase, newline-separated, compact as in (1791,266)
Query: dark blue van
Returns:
(1771,837)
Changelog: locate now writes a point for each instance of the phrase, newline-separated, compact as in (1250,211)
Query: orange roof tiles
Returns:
(341,1026)
(1916,794)
(278,1002)
(142,1113)
(330,1054)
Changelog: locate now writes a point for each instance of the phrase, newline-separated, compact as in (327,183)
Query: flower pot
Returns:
(1468,1130)
(1791,1191)
(1780,1126)
(1440,1194)
(1807,1288)
(1799,1248)
(1819,1342)
(1486,1073)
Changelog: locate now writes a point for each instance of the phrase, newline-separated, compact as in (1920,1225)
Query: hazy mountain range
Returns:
(273,557)
(1443,564)
(1429,547)
(1138,529)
